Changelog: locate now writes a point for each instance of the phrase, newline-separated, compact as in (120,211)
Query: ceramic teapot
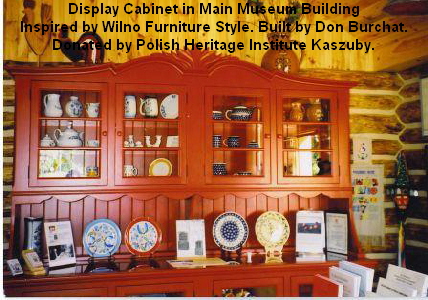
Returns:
(240,113)
(69,137)
(150,106)
(47,141)
(74,107)
(52,106)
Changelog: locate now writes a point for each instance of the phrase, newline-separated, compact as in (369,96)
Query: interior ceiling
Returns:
(393,51)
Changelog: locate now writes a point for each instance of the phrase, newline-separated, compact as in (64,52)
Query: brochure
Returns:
(366,274)
(388,288)
(326,287)
(310,231)
(59,242)
(408,277)
(190,238)
(351,282)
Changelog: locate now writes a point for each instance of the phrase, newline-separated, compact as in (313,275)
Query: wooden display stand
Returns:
(275,175)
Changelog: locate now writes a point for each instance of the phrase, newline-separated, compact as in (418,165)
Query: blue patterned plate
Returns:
(230,231)
(102,238)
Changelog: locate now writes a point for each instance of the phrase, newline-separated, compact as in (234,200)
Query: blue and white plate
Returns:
(169,107)
(102,238)
(230,231)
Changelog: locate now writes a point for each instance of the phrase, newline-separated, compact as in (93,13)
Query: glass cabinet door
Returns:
(68,134)
(150,138)
(237,136)
(307,137)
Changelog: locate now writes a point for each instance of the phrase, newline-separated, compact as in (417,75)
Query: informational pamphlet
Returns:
(337,232)
(190,238)
(351,282)
(408,277)
(366,274)
(310,231)
(388,288)
(59,242)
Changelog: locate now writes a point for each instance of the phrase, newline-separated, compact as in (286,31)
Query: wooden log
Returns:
(7,199)
(8,139)
(410,112)
(418,208)
(413,136)
(389,167)
(410,90)
(374,101)
(391,241)
(415,159)
(8,150)
(388,147)
(417,232)
(410,73)
(8,91)
(390,216)
(7,173)
(420,182)
(374,124)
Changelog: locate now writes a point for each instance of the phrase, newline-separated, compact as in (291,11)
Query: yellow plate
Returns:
(272,229)
(160,167)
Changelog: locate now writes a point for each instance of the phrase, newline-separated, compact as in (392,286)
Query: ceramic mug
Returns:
(93,143)
(130,170)
(217,115)
(232,141)
(92,110)
(217,141)
(92,171)
(219,169)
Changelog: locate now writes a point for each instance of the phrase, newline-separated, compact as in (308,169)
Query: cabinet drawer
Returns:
(89,292)
(179,289)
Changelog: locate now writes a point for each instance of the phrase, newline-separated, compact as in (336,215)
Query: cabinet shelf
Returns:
(70,119)
(151,120)
(150,149)
(306,123)
(307,150)
(237,149)
(236,122)
(70,148)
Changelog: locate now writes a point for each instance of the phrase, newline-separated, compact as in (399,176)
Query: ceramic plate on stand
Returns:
(272,229)
(169,107)
(230,231)
(160,167)
(102,238)
(142,236)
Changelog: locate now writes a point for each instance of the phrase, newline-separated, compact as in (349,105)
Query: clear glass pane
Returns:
(269,291)
(147,134)
(307,163)
(306,110)
(237,108)
(139,105)
(240,135)
(70,104)
(306,136)
(69,163)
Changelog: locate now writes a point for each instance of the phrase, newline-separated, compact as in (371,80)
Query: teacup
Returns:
(92,171)
(217,115)
(219,169)
(93,143)
(138,144)
(232,141)
(130,170)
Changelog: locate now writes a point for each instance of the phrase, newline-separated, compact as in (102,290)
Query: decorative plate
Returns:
(272,229)
(169,107)
(230,231)
(142,236)
(102,238)
(160,167)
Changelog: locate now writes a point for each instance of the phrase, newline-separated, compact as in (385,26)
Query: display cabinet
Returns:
(171,136)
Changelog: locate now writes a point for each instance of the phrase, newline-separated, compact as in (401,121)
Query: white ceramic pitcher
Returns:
(52,105)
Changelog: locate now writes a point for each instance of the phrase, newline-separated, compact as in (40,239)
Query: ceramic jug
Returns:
(130,106)
(52,106)
(297,112)
(69,137)
(314,112)
(149,107)
(74,107)
(92,110)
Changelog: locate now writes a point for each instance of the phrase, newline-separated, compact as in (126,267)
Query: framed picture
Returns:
(172,141)
(190,238)
(14,267)
(336,232)
(59,243)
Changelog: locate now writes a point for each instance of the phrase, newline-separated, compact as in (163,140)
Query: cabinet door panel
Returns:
(237,136)
(173,289)
(90,292)
(262,287)
(150,135)
(68,134)
(307,127)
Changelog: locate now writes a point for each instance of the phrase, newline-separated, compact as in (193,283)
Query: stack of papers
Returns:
(351,282)
(409,278)
(365,273)
(197,263)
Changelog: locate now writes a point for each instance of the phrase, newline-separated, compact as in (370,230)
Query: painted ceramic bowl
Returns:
(142,236)
(102,238)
